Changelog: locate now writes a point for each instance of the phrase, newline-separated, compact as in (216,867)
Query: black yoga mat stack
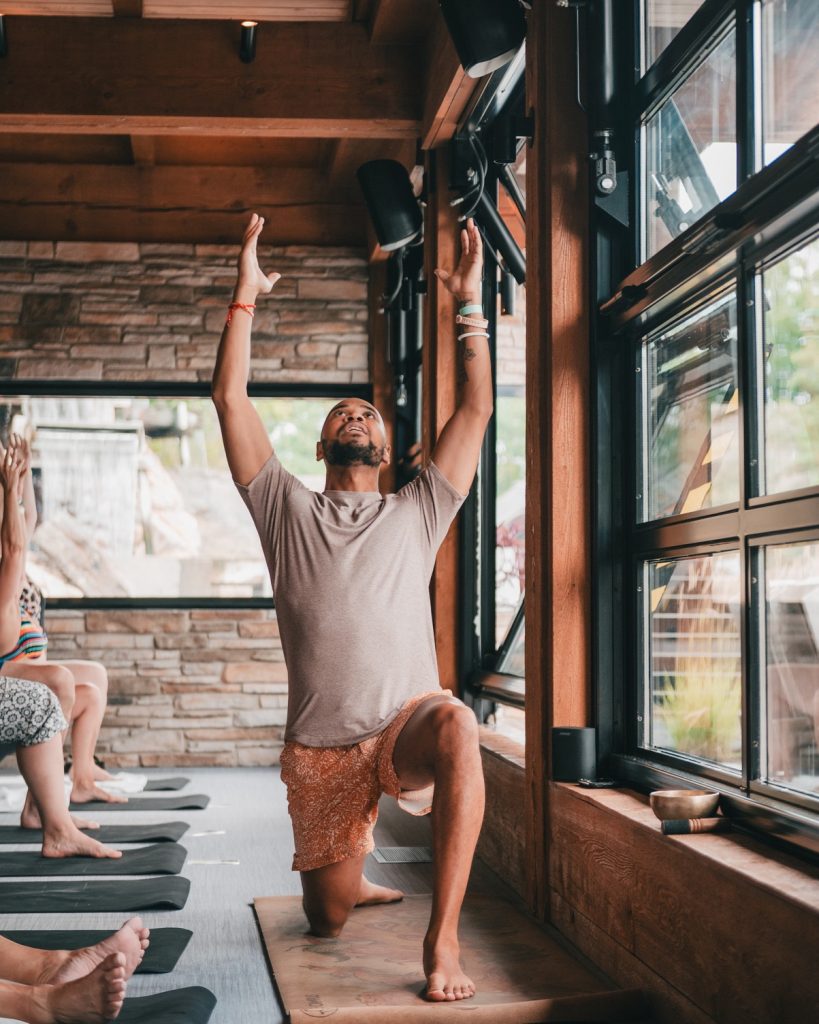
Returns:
(94,886)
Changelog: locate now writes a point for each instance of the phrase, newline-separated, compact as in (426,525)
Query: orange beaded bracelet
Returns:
(248,307)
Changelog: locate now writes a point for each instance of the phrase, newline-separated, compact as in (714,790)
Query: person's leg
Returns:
(89,711)
(29,966)
(439,744)
(92,672)
(93,999)
(58,679)
(41,765)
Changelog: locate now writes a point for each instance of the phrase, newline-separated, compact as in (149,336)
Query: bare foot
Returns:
(30,817)
(370,894)
(67,965)
(94,999)
(446,981)
(101,775)
(84,791)
(68,841)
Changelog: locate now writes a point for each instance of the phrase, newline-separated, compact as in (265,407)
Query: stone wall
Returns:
(123,312)
(187,687)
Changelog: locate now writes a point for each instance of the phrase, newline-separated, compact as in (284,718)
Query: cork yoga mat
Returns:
(372,972)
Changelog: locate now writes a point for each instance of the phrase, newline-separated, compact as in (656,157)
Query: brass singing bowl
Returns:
(669,804)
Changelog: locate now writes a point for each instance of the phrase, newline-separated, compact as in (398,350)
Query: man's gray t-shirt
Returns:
(350,572)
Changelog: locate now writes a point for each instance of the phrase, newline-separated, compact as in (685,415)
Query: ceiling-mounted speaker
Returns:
(390,202)
(487,33)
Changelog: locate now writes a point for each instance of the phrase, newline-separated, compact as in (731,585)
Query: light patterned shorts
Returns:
(333,792)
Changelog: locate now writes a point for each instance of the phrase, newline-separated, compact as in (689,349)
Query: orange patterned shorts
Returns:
(333,792)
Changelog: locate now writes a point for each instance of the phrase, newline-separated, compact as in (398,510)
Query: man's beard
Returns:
(348,453)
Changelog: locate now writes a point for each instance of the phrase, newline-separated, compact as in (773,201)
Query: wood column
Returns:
(380,370)
(439,396)
(557,421)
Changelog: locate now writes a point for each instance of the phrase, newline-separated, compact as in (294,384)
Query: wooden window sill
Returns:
(503,747)
(736,853)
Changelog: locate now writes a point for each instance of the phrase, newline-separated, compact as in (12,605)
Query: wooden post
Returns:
(557,422)
(380,370)
(439,396)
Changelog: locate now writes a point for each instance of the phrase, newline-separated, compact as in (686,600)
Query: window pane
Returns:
(694,690)
(791,360)
(663,20)
(792,603)
(135,497)
(690,149)
(690,414)
(790,84)
(510,479)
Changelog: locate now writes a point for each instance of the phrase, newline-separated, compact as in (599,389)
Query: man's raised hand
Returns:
(465,280)
(252,279)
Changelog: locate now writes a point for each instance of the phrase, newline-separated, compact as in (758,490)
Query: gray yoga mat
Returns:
(167,892)
(194,802)
(167,945)
(179,1006)
(167,833)
(174,782)
(159,859)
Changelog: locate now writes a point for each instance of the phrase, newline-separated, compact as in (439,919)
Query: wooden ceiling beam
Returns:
(143,148)
(349,154)
(114,202)
(125,76)
(448,90)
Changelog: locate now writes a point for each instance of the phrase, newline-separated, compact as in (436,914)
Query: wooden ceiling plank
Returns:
(124,76)
(349,154)
(401,22)
(201,204)
(448,89)
(110,186)
(127,8)
(143,148)
(316,224)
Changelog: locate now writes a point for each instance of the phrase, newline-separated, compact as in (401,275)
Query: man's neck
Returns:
(351,478)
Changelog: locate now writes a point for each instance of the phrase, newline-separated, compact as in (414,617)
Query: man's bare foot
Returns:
(68,841)
(30,817)
(67,965)
(83,791)
(446,981)
(370,894)
(94,999)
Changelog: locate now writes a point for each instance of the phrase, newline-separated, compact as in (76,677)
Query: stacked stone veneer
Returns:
(98,311)
(187,687)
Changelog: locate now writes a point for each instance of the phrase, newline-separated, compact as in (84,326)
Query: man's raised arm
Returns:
(246,442)
(458,448)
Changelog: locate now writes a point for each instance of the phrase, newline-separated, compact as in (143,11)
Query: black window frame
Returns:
(10,388)
(774,209)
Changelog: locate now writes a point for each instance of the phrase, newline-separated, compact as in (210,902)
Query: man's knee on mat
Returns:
(327,919)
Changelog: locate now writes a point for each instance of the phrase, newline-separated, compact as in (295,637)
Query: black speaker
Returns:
(487,33)
(393,208)
(573,754)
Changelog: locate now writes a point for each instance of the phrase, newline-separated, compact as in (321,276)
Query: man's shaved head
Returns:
(353,434)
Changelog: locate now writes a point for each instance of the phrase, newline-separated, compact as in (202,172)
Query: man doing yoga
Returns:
(350,570)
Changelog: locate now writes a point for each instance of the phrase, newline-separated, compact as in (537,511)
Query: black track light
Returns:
(487,33)
(3,46)
(393,209)
(247,44)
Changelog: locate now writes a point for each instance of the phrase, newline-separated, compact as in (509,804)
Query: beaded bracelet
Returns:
(472,307)
(471,321)
(248,307)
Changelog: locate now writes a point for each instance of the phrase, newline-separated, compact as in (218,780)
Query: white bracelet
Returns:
(473,334)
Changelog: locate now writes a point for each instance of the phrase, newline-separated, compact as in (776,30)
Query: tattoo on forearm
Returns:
(467,355)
